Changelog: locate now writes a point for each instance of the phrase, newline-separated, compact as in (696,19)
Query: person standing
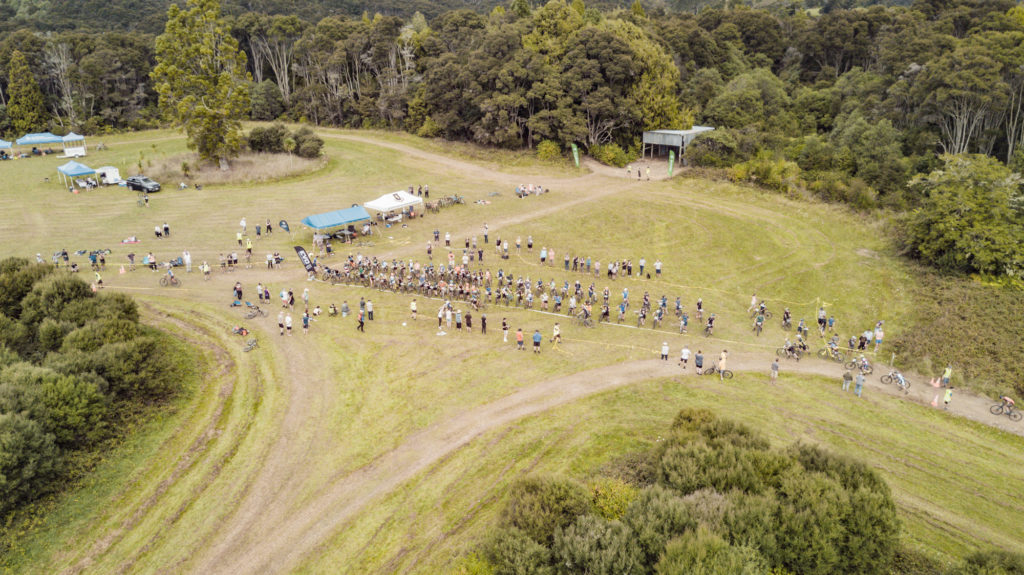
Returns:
(753,303)
(305,322)
(288,323)
(648,173)
(948,397)
(269,229)
(698,361)
(684,357)
(362,316)
(469,321)
(369,310)
(305,298)
(485,233)
(519,339)
(643,263)
(187,258)
(878,336)
(167,230)
(859,387)
(721,364)
(847,380)
(556,336)
(280,321)
(412,309)
(504,330)
(483,324)
(774,375)
(447,239)
(242,224)
(664,351)
(537,337)
(946,375)
(440,316)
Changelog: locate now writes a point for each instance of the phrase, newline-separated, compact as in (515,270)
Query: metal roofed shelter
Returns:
(660,141)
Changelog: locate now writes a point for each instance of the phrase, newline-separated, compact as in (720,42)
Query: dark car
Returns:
(142,184)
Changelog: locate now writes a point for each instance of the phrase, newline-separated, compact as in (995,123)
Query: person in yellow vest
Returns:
(556,336)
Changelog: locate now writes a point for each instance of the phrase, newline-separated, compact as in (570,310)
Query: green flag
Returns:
(576,155)
(671,162)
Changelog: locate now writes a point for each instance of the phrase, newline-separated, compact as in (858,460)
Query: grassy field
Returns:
(344,441)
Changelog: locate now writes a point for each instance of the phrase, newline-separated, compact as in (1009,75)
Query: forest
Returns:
(862,104)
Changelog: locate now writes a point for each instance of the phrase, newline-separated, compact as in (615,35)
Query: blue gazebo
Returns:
(73,170)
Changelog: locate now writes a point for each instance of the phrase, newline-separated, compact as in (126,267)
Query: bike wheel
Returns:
(727,374)
(768,315)
(780,352)
(176,282)
(709,371)
(906,385)
(886,378)
(163,282)
(868,371)
(823,353)
(1015,415)
(996,409)
(850,365)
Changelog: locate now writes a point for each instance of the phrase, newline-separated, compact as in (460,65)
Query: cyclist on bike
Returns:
(1007,402)
(801,343)
(710,327)
(862,363)
(787,318)
(759,322)
(900,380)
(801,328)
(791,350)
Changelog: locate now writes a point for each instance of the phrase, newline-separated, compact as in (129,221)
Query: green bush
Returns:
(50,295)
(17,276)
(51,333)
(29,460)
(76,410)
(993,562)
(14,335)
(655,517)
(702,552)
(307,143)
(598,547)
(513,552)
(268,140)
(611,497)
(539,506)
(111,306)
(609,154)
(429,129)
(474,564)
(717,149)
(96,334)
(549,151)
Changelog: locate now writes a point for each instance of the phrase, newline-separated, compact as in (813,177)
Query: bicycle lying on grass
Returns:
(251,345)
(712,370)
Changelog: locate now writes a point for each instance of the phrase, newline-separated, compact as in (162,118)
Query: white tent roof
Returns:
(395,201)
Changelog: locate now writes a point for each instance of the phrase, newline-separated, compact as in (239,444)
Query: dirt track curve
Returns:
(272,539)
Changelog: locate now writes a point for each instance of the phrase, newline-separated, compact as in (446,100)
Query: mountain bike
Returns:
(891,377)
(251,345)
(795,354)
(170,281)
(712,370)
(1009,409)
(833,354)
(866,369)
(254,312)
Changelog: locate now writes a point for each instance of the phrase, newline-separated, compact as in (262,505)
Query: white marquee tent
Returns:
(393,202)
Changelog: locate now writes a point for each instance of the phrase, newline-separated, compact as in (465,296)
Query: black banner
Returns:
(304,258)
(283,225)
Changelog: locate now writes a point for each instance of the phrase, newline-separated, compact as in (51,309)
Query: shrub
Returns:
(539,506)
(656,516)
(702,552)
(993,562)
(597,547)
(114,306)
(611,497)
(76,410)
(513,552)
(51,333)
(29,459)
(474,564)
(269,140)
(96,334)
(49,296)
(429,129)
(717,149)
(14,336)
(549,151)
(610,154)
(17,276)
(307,143)
(810,530)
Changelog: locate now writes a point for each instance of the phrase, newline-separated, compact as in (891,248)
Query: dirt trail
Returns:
(279,541)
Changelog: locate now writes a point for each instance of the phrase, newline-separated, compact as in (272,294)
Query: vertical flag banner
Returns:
(671,162)
(576,155)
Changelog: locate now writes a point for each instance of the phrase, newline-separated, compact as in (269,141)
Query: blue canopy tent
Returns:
(39,139)
(73,169)
(336,218)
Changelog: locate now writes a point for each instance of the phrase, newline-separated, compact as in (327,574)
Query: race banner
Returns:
(576,154)
(304,258)
(671,162)
(283,225)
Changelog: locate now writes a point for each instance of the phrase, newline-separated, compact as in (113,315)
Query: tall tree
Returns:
(276,43)
(27,110)
(202,80)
